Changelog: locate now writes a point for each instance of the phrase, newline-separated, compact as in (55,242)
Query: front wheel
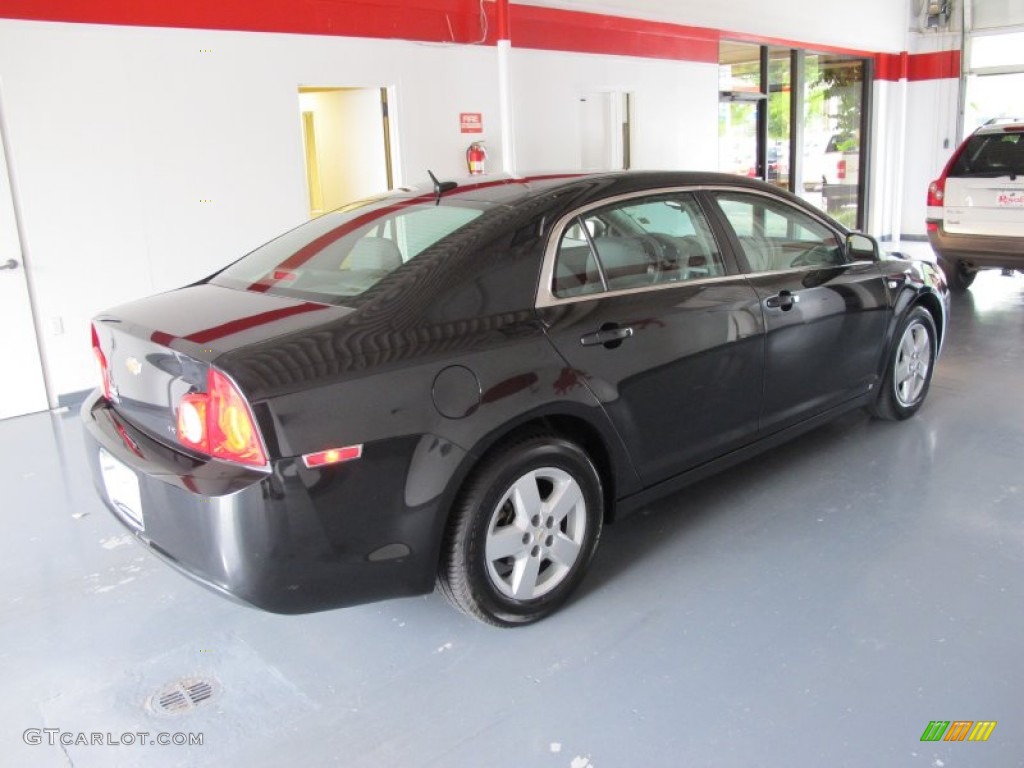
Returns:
(523,532)
(909,370)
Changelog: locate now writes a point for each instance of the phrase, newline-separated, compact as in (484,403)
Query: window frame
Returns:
(546,296)
(736,246)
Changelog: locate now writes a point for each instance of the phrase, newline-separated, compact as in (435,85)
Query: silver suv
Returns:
(976,207)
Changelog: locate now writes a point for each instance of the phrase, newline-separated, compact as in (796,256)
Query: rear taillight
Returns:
(937,189)
(219,423)
(101,359)
(841,170)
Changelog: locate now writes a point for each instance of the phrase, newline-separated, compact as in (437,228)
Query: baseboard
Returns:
(72,400)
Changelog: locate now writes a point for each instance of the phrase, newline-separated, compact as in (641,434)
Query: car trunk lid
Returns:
(160,349)
(985,206)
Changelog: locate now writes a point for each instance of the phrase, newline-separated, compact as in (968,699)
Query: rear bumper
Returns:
(977,250)
(292,540)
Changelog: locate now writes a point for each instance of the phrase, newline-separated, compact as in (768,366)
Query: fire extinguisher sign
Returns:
(471,122)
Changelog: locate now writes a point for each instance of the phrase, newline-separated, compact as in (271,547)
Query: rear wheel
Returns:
(909,370)
(958,276)
(523,531)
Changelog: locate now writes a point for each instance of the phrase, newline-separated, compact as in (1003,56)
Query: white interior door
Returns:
(603,119)
(21,387)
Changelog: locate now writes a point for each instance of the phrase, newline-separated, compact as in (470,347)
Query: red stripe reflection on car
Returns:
(310,249)
(253,321)
(236,326)
(129,443)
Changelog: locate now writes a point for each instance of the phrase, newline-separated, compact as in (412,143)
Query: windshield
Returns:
(341,255)
(991,154)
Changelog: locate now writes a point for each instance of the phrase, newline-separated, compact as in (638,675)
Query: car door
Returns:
(650,315)
(825,315)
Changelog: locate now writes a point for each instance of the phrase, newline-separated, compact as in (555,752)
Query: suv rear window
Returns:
(991,154)
(341,255)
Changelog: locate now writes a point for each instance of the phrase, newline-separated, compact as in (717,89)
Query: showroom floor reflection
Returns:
(819,606)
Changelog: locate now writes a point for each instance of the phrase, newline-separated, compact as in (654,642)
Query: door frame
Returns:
(8,178)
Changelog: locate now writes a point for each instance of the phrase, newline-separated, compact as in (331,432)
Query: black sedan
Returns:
(459,386)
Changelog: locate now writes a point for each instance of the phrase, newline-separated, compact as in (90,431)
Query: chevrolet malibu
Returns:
(460,386)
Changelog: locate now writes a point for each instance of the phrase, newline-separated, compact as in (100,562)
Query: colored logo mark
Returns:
(958,730)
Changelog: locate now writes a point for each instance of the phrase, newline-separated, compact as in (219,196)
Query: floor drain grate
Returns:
(182,696)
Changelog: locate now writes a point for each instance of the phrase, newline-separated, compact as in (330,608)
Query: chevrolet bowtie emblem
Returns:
(133,365)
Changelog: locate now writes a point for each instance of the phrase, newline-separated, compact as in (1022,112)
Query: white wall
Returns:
(931,136)
(117,134)
(931,139)
(888,155)
(674,121)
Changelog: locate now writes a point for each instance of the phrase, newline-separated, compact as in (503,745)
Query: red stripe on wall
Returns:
(426,20)
(452,21)
(890,66)
(553,29)
(918,66)
(934,66)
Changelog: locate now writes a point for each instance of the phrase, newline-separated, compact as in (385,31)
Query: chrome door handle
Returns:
(609,335)
(784,301)
(9,264)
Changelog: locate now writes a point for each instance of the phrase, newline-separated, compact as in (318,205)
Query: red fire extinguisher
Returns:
(476,158)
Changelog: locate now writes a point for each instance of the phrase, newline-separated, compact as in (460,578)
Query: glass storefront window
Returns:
(833,101)
(757,87)
(739,86)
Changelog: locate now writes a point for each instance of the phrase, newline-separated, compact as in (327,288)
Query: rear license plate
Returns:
(1010,199)
(122,488)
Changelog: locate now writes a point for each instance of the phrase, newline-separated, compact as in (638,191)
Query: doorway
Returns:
(24,391)
(346,137)
(604,131)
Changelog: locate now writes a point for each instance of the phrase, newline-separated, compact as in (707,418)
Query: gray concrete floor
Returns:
(815,607)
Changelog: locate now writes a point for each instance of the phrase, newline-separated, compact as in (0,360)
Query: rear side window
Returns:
(341,255)
(991,154)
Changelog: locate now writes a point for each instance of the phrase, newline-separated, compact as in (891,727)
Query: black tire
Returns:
(958,277)
(491,516)
(908,370)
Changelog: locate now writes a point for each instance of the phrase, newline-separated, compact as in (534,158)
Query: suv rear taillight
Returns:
(101,358)
(841,170)
(937,189)
(219,423)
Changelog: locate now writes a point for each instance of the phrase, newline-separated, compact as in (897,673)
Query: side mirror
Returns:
(861,247)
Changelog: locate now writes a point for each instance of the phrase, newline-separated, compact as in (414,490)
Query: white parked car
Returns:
(976,207)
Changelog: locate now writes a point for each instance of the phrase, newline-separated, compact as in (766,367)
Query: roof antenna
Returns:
(440,187)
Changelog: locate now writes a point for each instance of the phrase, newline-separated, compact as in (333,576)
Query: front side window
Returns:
(776,237)
(636,243)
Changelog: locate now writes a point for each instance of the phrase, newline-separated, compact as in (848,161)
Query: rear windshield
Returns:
(992,154)
(339,256)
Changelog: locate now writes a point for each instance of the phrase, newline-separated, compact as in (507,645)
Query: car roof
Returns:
(508,190)
(1001,125)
